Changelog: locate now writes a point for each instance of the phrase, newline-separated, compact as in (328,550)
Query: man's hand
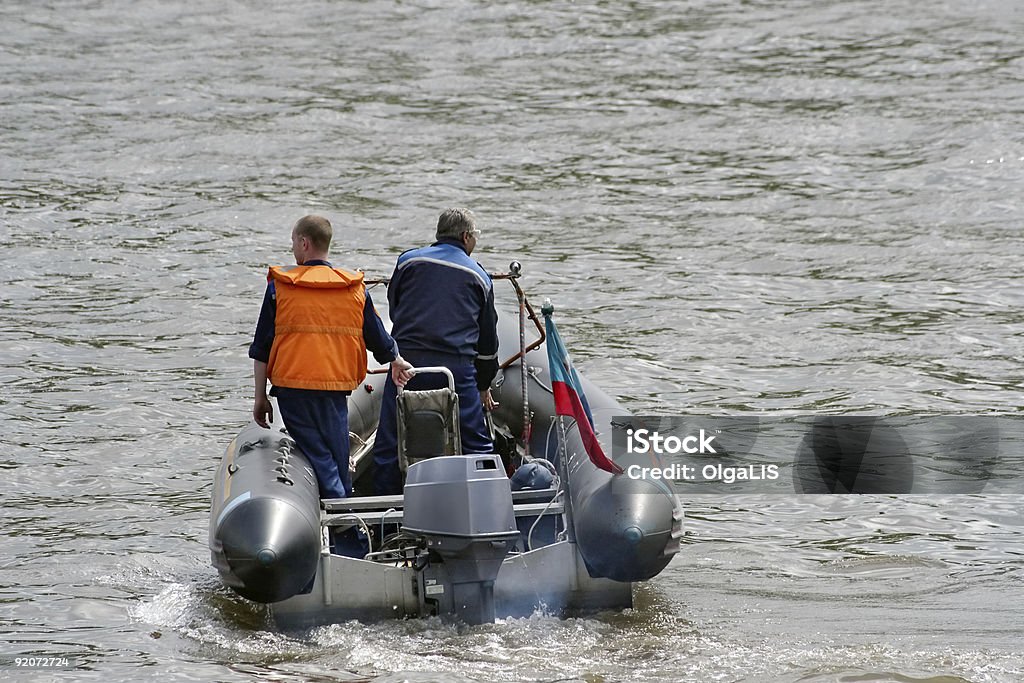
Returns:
(401,371)
(262,410)
(488,401)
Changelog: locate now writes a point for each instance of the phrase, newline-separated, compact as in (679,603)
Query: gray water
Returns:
(737,207)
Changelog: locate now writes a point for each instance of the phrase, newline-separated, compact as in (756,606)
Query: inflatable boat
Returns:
(535,525)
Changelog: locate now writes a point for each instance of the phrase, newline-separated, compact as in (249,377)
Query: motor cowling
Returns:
(462,507)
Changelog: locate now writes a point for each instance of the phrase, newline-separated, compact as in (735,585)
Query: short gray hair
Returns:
(454,222)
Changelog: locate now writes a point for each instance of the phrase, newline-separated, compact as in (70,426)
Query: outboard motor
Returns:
(462,506)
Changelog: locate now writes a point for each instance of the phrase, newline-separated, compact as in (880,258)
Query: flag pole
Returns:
(547,309)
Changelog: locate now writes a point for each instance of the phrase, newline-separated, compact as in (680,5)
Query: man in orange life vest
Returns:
(316,323)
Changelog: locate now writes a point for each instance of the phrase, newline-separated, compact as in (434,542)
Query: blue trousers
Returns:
(473,429)
(318,421)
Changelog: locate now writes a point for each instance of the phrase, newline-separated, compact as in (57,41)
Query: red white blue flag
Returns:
(570,401)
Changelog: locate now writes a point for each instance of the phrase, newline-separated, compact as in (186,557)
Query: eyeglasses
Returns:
(473,233)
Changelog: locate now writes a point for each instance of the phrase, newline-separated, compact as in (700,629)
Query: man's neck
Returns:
(454,241)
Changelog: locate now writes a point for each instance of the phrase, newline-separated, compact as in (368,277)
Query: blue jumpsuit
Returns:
(442,310)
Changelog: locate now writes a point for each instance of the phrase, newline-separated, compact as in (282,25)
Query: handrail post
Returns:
(515,271)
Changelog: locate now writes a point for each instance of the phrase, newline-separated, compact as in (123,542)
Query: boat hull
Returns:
(575,551)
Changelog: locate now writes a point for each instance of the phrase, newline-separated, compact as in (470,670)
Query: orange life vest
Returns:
(318,329)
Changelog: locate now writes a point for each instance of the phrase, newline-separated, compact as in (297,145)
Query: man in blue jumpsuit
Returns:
(317,418)
(442,310)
